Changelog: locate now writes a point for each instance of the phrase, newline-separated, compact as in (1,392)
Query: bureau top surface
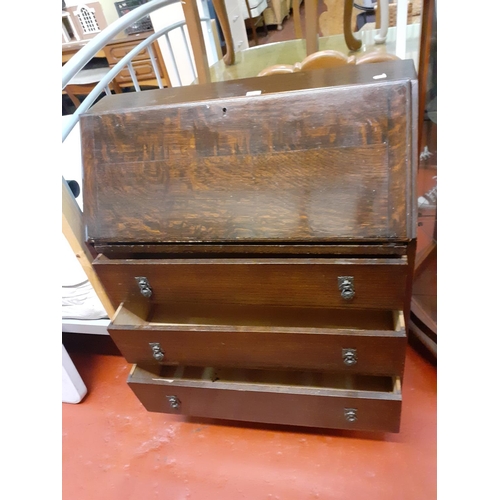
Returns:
(319,156)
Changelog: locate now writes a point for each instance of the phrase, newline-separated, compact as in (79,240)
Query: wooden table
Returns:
(71,48)
(118,48)
(251,62)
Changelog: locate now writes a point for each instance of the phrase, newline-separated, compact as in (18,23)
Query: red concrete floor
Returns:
(114,449)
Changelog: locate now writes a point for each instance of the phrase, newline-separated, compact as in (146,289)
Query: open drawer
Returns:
(368,342)
(277,397)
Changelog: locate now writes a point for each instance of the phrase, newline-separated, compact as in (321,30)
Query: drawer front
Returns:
(115,53)
(327,401)
(143,69)
(358,342)
(331,283)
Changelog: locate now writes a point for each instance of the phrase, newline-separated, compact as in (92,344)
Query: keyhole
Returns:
(224,111)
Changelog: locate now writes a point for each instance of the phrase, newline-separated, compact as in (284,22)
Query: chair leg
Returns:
(116,87)
(73,98)
(252,23)
(254,32)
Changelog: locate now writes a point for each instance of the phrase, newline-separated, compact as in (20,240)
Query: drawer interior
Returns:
(151,316)
(266,380)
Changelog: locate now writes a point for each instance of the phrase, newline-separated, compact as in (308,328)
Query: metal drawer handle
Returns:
(144,286)
(349,356)
(346,287)
(158,352)
(174,402)
(351,414)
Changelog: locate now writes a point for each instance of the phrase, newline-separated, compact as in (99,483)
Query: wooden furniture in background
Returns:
(277,12)
(260,261)
(85,82)
(142,64)
(414,13)
(255,22)
(338,18)
(423,319)
(424,302)
(351,41)
(327,59)
(428,15)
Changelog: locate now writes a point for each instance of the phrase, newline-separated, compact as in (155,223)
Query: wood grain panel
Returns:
(319,164)
(298,196)
(281,121)
(378,283)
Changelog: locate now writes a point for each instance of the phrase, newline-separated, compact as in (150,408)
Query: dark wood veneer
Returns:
(378,283)
(245,213)
(300,163)
(293,398)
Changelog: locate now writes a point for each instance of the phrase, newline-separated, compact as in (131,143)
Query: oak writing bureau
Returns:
(257,238)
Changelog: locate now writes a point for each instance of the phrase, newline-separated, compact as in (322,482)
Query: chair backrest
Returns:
(327,59)
(191,49)
(339,17)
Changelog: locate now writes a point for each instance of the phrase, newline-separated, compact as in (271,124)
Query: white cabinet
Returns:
(236,13)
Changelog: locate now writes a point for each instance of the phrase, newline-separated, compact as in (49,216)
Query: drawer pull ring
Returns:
(346,287)
(174,402)
(349,356)
(158,352)
(144,286)
(350,414)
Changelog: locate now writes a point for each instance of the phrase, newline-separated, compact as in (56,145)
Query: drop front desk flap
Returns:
(316,157)
(266,225)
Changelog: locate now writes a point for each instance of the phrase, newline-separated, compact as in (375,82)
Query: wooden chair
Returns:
(146,69)
(280,69)
(277,12)
(255,21)
(339,18)
(83,84)
(327,59)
